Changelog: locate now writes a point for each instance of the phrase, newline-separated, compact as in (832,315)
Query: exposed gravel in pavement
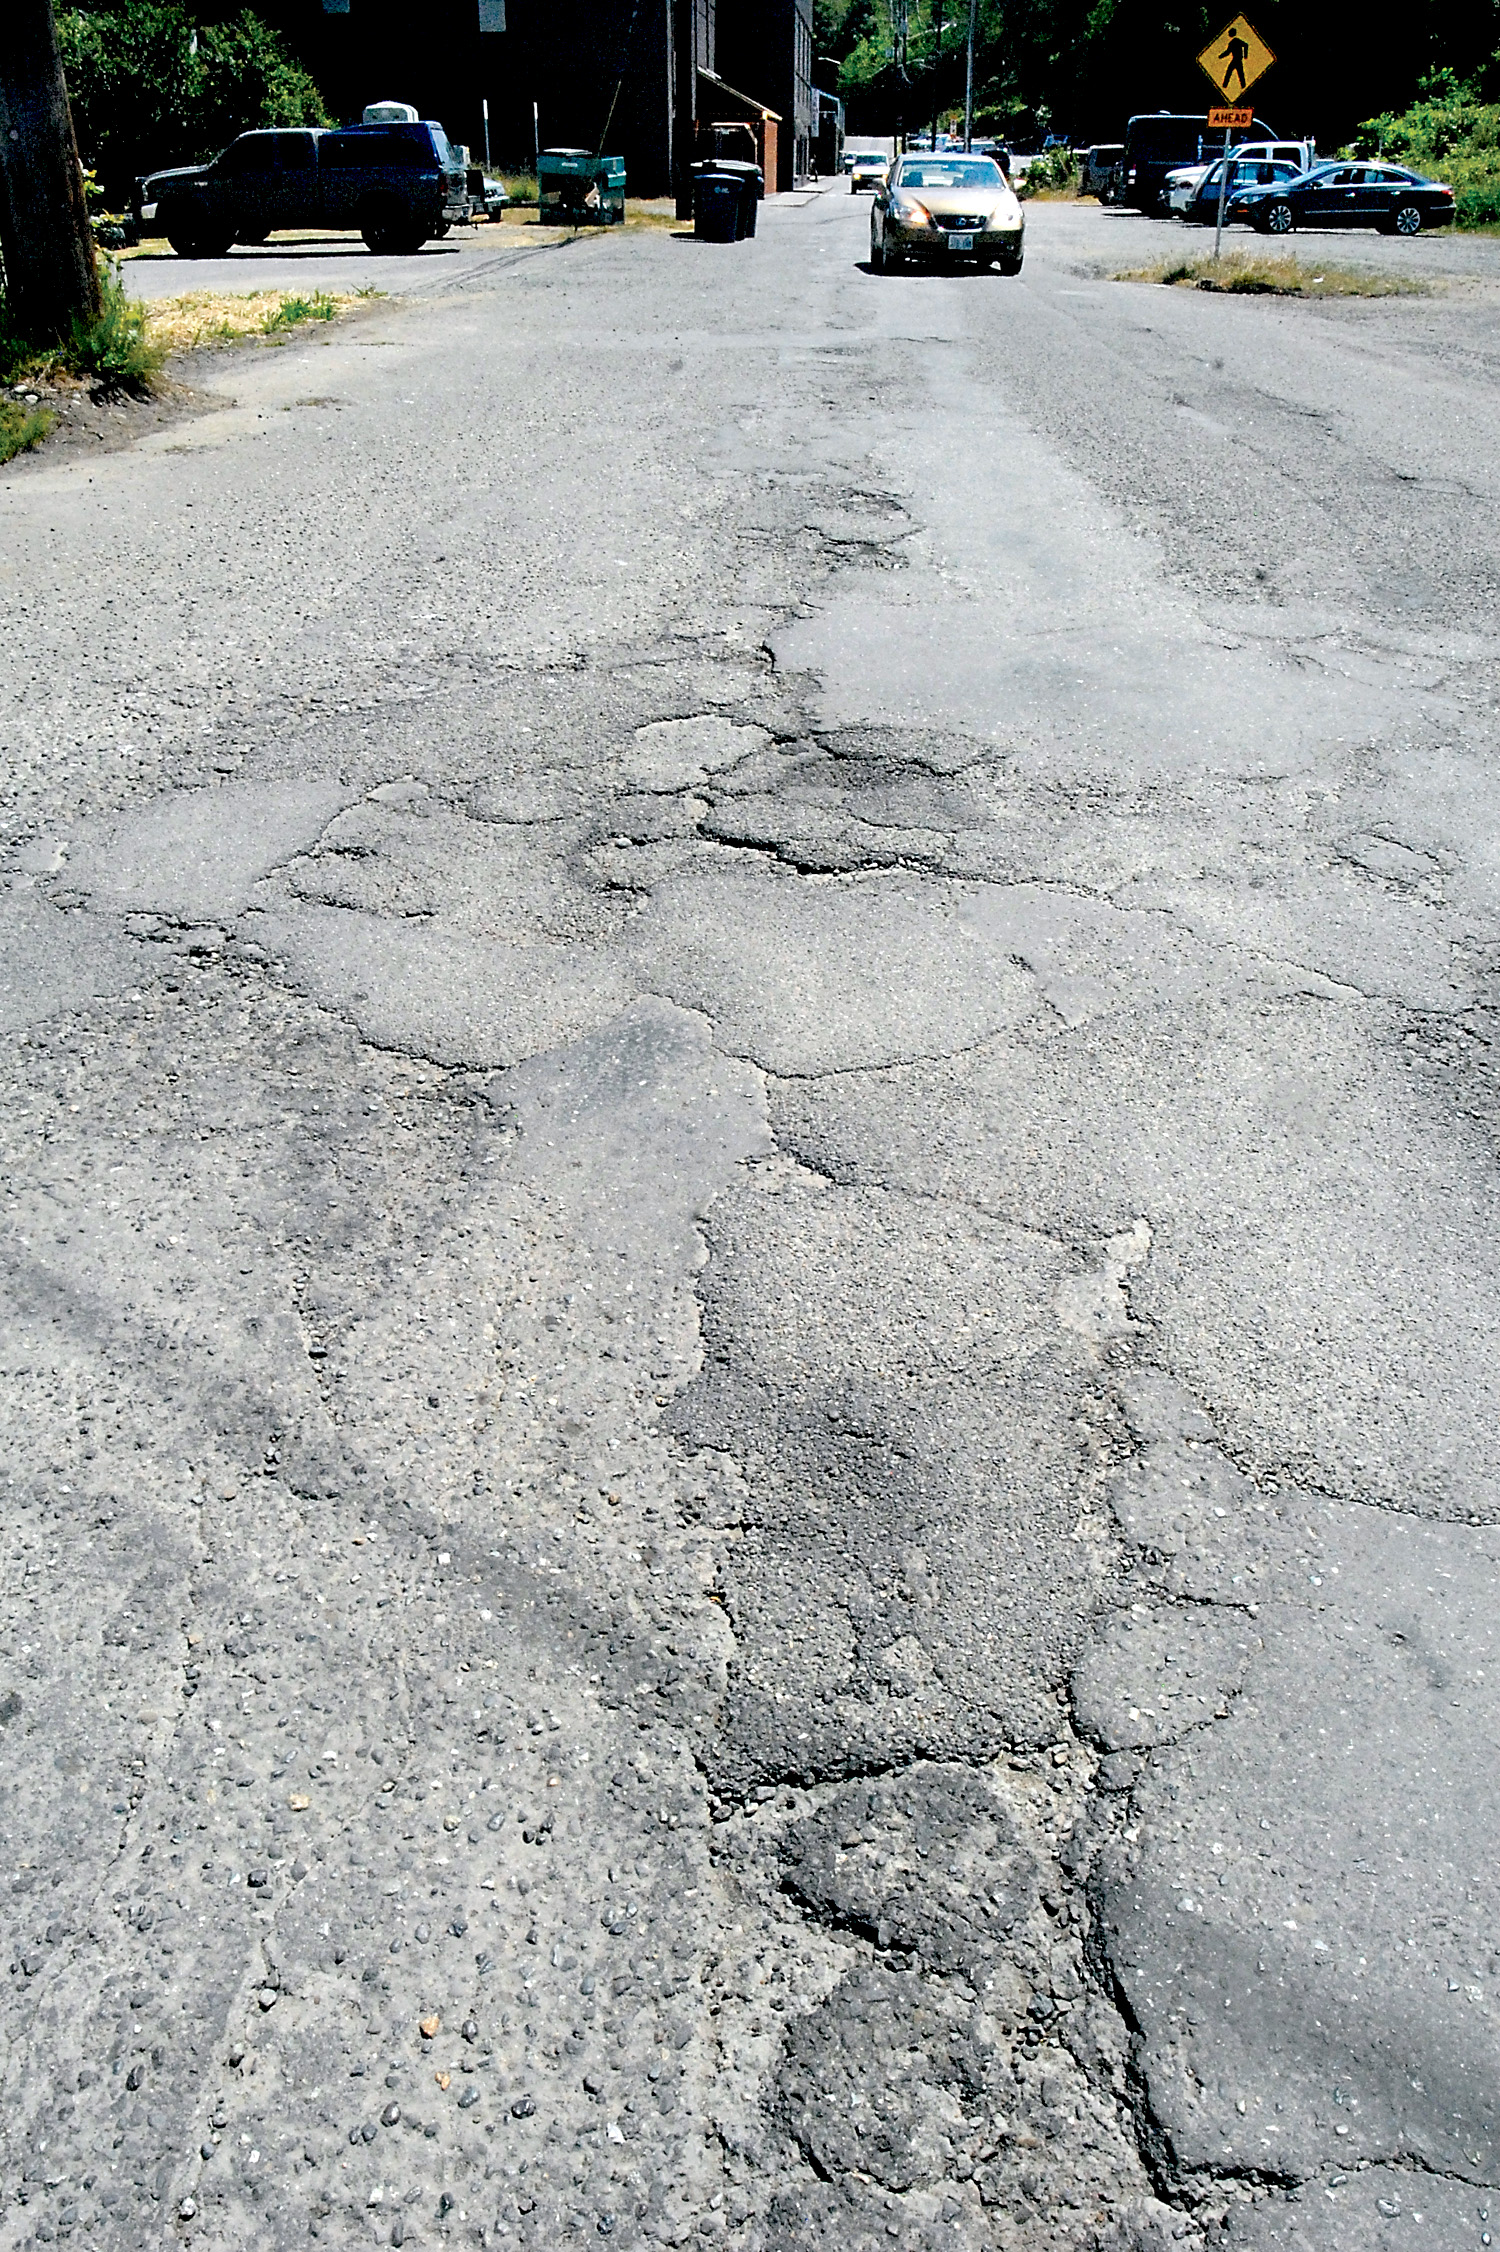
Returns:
(748,1322)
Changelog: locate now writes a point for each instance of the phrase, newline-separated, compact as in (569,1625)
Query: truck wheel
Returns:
(188,245)
(385,227)
(183,229)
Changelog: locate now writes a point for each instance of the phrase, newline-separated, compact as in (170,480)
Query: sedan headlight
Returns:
(1005,216)
(907,212)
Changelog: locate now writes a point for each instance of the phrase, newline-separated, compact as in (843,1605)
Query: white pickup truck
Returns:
(1186,184)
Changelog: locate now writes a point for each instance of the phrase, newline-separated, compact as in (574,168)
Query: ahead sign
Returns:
(1236,59)
(1230,120)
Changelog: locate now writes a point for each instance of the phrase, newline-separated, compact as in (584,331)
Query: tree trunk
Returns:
(51,276)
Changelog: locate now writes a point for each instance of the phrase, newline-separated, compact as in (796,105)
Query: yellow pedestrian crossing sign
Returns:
(1236,59)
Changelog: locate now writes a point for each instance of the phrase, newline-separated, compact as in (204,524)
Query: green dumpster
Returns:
(575,188)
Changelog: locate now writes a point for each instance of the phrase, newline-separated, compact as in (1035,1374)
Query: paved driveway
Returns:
(336,262)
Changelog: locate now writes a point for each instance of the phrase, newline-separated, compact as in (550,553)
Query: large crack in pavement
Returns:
(958,1830)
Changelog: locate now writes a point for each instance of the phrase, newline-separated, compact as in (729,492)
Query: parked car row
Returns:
(1277,197)
(1251,163)
(1273,185)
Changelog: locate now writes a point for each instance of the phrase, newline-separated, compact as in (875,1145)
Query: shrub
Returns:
(21,427)
(1450,133)
(116,349)
(1055,173)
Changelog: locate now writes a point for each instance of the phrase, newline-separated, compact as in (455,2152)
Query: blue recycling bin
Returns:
(718,207)
(752,188)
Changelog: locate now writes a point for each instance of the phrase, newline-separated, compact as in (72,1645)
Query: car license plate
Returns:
(960,242)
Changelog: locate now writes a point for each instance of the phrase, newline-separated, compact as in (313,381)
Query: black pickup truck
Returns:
(398,184)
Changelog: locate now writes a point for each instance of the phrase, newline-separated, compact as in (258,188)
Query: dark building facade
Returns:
(765,48)
(628,75)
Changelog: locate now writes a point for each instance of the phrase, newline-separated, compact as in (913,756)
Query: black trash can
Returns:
(752,183)
(718,200)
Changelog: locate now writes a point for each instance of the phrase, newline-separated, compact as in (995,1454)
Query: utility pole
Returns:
(969,78)
(51,275)
(900,25)
(937,63)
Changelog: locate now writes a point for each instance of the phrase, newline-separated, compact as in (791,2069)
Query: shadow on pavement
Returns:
(295,252)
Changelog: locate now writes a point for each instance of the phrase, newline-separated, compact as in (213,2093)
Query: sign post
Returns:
(1234,61)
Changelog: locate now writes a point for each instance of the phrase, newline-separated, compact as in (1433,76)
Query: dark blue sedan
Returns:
(1386,196)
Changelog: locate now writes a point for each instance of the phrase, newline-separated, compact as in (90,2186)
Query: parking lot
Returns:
(1130,237)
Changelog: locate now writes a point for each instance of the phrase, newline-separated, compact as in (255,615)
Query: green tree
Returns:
(148,89)
(1082,67)
(247,77)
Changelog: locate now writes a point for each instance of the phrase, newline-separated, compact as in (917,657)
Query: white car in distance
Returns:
(867,170)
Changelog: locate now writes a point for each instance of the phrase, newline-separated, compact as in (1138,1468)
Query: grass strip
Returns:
(1253,273)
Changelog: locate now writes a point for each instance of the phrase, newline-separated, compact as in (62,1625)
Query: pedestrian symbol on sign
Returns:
(1236,58)
(1234,54)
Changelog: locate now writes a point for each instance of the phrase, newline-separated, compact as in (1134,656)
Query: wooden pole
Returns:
(937,63)
(51,274)
(969,78)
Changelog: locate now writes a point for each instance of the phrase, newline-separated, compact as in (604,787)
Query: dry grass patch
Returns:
(202,317)
(652,211)
(1259,273)
(640,212)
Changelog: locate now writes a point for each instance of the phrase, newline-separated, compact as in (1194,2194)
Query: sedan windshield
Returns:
(947,172)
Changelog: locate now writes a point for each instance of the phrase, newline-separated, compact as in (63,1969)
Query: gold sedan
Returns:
(949,210)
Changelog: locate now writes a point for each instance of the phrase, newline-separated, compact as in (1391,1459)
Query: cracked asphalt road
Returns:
(749,1310)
